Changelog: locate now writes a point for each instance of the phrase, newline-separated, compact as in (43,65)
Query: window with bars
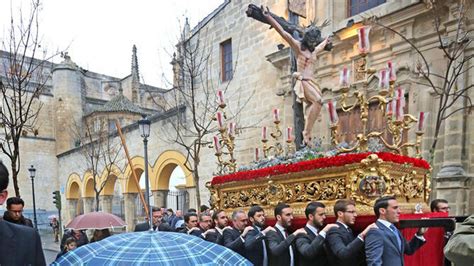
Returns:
(358,6)
(226,60)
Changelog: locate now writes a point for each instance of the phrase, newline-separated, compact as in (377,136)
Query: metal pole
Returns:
(34,203)
(147,186)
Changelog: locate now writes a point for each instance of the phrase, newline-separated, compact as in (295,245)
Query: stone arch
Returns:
(164,166)
(110,176)
(88,185)
(139,166)
(73,187)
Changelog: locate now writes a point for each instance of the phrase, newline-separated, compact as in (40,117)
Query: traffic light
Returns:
(57,199)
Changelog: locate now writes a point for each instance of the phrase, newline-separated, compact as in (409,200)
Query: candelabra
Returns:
(276,135)
(390,99)
(224,142)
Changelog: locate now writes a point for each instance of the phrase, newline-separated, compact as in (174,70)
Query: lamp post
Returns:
(32,171)
(144,126)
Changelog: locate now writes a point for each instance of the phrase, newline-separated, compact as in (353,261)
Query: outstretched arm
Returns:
(288,38)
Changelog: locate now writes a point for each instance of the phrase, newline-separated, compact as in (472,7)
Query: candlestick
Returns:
(276,115)
(331,107)
(257,151)
(231,130)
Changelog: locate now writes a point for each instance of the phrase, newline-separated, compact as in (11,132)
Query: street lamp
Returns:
(144,126)
(32,171)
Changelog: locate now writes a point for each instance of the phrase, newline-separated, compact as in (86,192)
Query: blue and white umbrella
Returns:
(152,248)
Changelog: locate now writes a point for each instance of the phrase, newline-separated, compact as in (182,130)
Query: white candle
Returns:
(392,71)
(276,114)
(344,77)
(400,103)
(422,116)
(257,154)
(289,134)
(331,107)
(217,145)
(220,120)
(384,76)
(220,96)
(264,133)
(364,44)
(231,130)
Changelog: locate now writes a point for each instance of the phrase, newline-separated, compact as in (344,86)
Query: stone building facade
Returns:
(260,77)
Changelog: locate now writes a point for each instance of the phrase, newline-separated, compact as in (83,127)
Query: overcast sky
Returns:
(100,33)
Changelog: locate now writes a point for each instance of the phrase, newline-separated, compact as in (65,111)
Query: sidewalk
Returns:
(47,240)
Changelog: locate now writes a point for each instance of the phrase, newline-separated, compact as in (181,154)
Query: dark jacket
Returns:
(278,248)
(310,248)
(23,220)
(145,226)
(233,241)
(381,247)
(343,248)
(215,238)
(82,240)
(254,243)
(20,245)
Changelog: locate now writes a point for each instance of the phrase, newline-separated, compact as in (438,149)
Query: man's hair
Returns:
(254,209)
(311,208)
(188,215)
(3,177)
(203,208)
(236,212)
(434,204)
(170,210)
(382,203)
(214,215)
(192,210)
(341,205)
(202,214)
(155,209)
(279,208)
(15,200)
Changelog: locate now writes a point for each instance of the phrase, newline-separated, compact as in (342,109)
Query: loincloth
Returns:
(299,89)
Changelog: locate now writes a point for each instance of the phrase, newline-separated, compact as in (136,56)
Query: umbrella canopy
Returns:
(152,248)
(95,220)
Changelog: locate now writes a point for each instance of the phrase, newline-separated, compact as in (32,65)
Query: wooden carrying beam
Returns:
(124,145)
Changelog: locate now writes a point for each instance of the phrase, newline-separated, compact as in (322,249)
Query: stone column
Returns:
(191,201)
(106,203)
(88,204)
(71,210)
(160,197)
(130,200)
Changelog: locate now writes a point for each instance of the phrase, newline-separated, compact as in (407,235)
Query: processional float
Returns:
(349,171)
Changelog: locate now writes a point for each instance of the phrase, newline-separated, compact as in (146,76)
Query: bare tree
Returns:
(22,80)
(196,90)
(448,85)
(100,150)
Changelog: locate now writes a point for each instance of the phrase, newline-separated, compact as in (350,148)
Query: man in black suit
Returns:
(234,238)
(280,243)
(19,245)
(342,247)
(385,245)
(14,212)
(190,222)
(310,246)
(220,220)
(255,246)
(203,227)
(157,221)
